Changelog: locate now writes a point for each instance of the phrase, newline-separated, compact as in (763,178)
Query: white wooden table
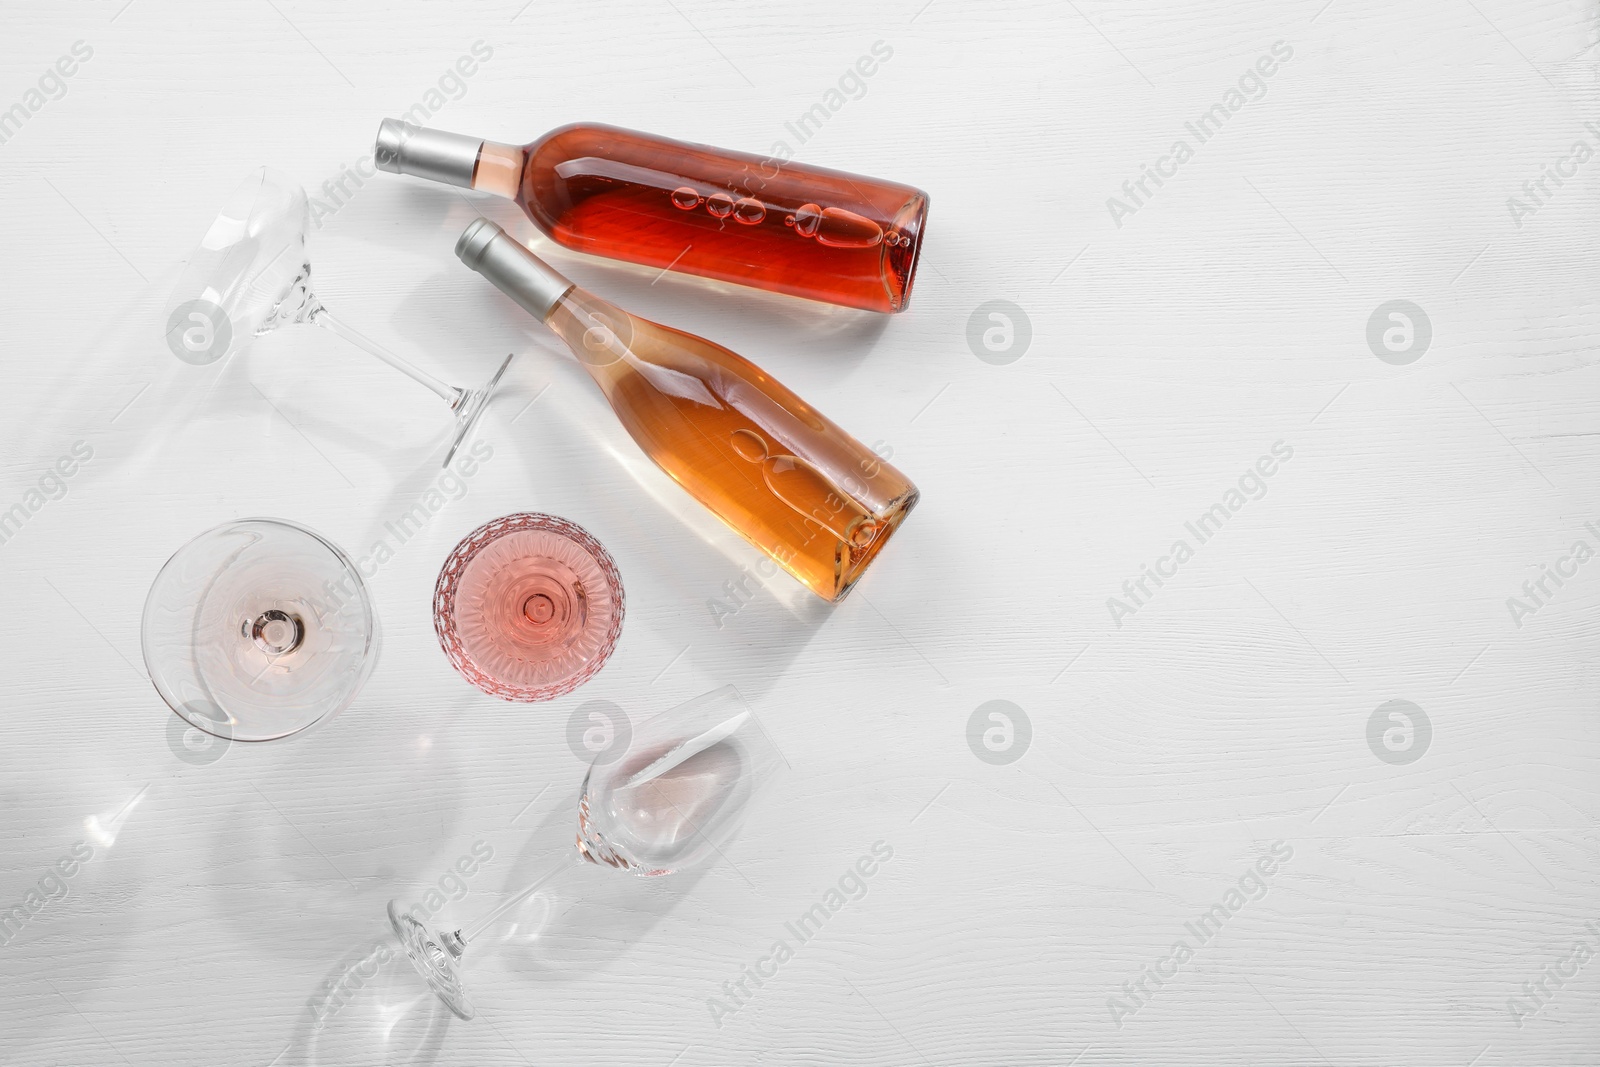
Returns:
(1083,880)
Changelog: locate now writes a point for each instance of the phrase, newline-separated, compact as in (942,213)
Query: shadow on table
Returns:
(275,798)
(578,923)
(370,1008)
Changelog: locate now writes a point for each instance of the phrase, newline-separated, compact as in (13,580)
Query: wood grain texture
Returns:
(1228,713)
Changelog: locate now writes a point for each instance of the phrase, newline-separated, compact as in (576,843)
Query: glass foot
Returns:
(433,961)
(470,406)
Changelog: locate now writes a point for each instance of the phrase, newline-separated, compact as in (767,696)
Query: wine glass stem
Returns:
(448,393)
(486,921)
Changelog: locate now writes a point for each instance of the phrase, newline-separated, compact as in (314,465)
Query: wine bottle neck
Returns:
(499,169)
(515,271)
(403,148)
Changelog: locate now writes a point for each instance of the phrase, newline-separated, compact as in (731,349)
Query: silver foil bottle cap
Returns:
(402,148)
(514,270)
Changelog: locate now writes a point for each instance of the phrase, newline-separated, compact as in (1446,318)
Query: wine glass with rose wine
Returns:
(258,629)
(528,607)
(673,798)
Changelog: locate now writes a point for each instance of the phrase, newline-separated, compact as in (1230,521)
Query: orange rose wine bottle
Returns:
(765,462)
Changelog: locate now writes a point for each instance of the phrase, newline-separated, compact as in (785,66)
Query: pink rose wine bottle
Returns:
(769,223)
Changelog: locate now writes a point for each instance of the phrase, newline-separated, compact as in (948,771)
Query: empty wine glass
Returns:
(251,274)
(673,800)
(258,629)
(528,607)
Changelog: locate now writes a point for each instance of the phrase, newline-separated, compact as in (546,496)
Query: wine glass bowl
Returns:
(676,792)
(252,274)
(258,629)
(245,265)
(528,607)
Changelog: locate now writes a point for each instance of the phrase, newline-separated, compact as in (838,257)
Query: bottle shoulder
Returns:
(576,139)
(733,380)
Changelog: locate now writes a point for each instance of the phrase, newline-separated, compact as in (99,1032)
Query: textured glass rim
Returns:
(449,583)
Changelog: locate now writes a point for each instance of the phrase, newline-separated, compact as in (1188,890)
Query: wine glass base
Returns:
(435,963)
(470,406)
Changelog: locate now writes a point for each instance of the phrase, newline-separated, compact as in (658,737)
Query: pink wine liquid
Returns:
(785,226)
(528,607)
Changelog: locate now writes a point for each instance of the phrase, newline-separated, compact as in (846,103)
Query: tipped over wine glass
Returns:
(251,274)
(673,800)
